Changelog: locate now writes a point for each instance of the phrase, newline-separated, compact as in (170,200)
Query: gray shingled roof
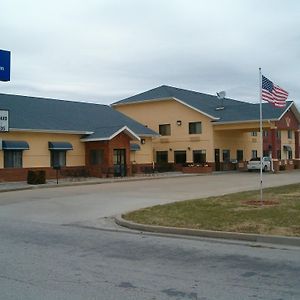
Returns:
(58,115)
(233,111)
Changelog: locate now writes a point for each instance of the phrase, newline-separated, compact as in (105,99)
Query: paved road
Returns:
(81,203)
(62,262)
(45,253)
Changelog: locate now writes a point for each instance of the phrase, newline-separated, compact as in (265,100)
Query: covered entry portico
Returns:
(110,156)
(240,141)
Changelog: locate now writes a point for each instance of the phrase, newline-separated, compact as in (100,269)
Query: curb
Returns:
(249,237)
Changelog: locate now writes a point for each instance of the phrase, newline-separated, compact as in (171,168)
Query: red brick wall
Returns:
(20,174)
(288,121)
(121,141)
(97,170)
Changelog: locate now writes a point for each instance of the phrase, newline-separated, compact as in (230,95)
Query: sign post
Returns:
(4,76)
(4,65)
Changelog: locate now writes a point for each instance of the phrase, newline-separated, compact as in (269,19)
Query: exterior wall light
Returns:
(178,122)
(143,141)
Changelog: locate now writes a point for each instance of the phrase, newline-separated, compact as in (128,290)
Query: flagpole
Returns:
(261,137)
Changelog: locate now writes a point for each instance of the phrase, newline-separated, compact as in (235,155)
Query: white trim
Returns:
(246,121)
(167,99)
(124,128)
(51,131)
(143,101)
(285,111)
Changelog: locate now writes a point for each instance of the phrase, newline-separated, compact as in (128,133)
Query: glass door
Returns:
(119,162)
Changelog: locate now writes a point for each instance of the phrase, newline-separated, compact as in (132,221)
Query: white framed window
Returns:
(13,158)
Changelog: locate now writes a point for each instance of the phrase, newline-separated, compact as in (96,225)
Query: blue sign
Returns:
(4,65)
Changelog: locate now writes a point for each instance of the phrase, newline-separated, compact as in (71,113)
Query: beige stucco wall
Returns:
(233,141)
(39,155)
(235,136)
(145,155)
(253,143)
(238,137)
(153,114)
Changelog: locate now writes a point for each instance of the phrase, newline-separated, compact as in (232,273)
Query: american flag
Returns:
(273,93)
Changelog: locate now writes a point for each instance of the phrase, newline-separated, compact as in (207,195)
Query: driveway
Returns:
(73,204)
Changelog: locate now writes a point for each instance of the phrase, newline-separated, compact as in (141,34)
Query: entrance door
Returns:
(217,159)
(119,162)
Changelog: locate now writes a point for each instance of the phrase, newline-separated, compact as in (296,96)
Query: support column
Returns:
(273,143)
(297,150)
(274,150)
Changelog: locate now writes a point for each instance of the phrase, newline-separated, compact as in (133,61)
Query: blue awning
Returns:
(15,145)
(135,147)
(287,148)
(60,146)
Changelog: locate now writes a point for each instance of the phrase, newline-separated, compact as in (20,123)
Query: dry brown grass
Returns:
(231,213)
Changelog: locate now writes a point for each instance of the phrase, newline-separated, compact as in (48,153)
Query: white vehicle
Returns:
(254,164)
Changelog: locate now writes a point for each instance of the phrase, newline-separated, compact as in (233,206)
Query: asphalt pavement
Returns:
(49,262)
(61,243)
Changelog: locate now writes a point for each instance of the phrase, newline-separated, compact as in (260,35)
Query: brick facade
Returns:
(20,174)
(106,168)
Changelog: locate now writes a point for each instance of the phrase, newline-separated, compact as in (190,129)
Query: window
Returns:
(226,155)
(13,159)
(278,134)
(165,129)
(278,154)
(265,133)
(290,134)
(199,156)
(96,156)
(239,155)
(161,157)
(180,157)
(254,133)
(195,127)
(58,158)
(254,153)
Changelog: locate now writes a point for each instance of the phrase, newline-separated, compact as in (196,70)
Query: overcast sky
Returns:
(105,50)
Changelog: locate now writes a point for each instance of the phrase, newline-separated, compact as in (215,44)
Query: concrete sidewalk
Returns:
(52,183)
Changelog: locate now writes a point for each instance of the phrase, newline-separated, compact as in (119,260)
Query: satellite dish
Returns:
(221,95)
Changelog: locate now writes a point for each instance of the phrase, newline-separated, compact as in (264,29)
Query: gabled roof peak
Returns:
(234,110)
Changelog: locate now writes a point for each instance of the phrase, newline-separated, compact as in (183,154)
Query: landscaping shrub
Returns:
(36,177)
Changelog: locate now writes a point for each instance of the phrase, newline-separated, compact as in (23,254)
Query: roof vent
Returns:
(221,95)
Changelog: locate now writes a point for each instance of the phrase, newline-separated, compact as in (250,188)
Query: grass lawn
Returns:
(231,213)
